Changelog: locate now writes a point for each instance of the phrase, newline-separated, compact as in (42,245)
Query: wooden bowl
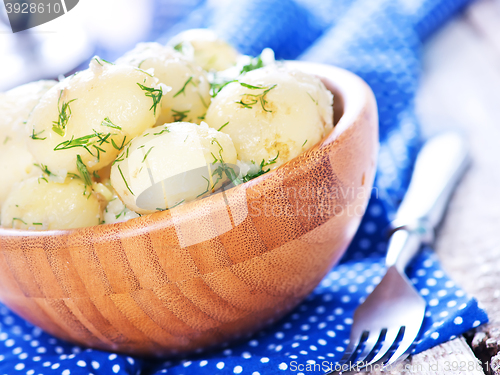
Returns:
(212,270)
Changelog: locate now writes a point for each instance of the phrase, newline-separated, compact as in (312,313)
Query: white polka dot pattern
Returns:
(381,44)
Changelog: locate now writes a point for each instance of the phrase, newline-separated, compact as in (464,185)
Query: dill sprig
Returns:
(59,126)
(35,136)
(84,172)
(248,100)
(255,63)
(180,115)
(223,168)
(45,169)
(124,180)
(215,86)
(183,89)
(314,100)
(155,94)
(166,130)
(250,176)
(107,122)
(147,153)
(223,126)
(87,142)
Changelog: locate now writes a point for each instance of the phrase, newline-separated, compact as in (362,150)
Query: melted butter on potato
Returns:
(39,204)
(206,49)
(172,164)
(16,162)
(93,114)
(273,110)
(190,95)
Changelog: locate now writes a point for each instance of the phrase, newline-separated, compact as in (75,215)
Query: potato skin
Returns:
(39,204)
(16,162)
(104,99)
(190,95)
(291,112)
(178,155)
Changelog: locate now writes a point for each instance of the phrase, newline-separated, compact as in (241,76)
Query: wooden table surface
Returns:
(460,89)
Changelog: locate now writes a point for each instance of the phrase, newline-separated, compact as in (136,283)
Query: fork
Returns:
(392,315)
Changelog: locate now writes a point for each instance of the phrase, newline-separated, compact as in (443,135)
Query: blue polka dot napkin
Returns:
(378,40)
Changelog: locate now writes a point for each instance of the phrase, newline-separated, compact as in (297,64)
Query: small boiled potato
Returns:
(16,162)
(16,106)
(172,164)
(40,204)
(116,212)
(190,95)
(206,49)
(273,110)
(93,114)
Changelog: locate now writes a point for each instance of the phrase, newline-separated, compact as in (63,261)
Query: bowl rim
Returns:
(354,94)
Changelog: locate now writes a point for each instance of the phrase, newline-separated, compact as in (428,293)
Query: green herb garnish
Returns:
(124,180)
(107,122)
(36,136)
(155,94)
(223,126)
(250,176)
(84,172)
(59,126)
(180,115)
(248,100)
(183,89)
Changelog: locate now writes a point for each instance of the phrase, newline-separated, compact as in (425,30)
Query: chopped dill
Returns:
(315,101)
(250,176)
(155,94)
(18,219)
(203,101)
(124,180)
(180,115)
(252,87)
(303,144)
(37,223)
(223,126)
(96,59)
(163,131)
(59,126)
(223,168)
(255,63)
(84,172)
(36,137)
(7,139)
(45,169)
(93,140)
(183,89)
(119,148)
(248,100)
(147,153)
(122,212)
(177,204)
(216,87)
(96,175)
(107,122)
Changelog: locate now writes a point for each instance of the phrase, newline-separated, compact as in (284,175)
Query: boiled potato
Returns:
(16,162)
(93,114)
(40,204)
(273,113)
(172,164)
(206,49)
(116,212)
(190,95)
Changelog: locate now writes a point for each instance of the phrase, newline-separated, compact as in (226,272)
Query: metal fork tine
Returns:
(403,350)
(351,349)
(370,343)
(390,336)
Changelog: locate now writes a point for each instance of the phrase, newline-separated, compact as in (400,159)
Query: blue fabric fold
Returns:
(380,40)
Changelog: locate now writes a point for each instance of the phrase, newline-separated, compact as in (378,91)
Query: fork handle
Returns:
(440,165)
